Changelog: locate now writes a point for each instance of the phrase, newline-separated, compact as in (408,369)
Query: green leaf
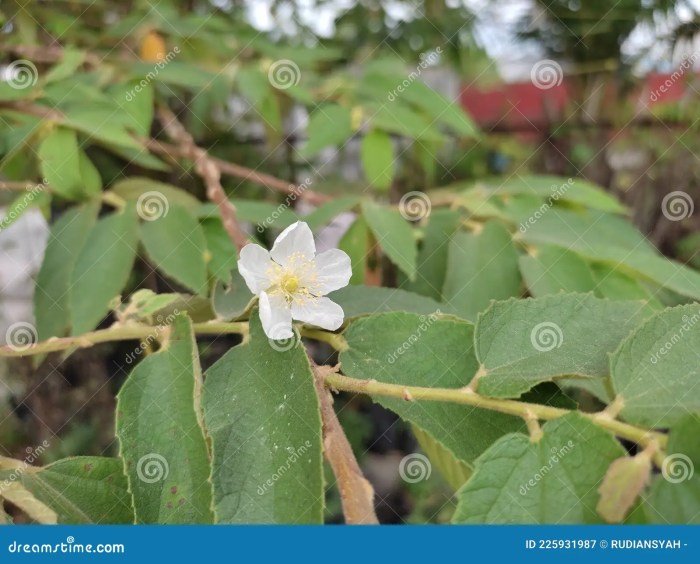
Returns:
(394,235)
(655,369)
(264,214)
(480,268)
(675,494)
(520,343)
(328,125)
(611,283)
(71,60)
(453,470)
(102,124)
(325,213)
(134,187)
(355,242)
(176,245)
(102,269)
(554,188)
(92,181)
(59,157)
(231,298)
(432,351)
(554,480)
(223,255)
(52,293)
(433,253)
(161,435)
(135,102)
(553,270)
(263,418)
(359,300)
(377,155)
(84,489)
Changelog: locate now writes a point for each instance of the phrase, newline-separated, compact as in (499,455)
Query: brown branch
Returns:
(245,173)
(208,170)
(356,493)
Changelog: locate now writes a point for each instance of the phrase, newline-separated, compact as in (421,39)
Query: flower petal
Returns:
(333,271)
(276,317)
(297,238)
(322,312)
(254,265)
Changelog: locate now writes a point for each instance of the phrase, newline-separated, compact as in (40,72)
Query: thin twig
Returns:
(356,493)
(208,170)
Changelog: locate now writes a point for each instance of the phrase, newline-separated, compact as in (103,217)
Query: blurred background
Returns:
(607,91)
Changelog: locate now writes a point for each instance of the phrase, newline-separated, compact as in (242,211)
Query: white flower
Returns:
(291,281)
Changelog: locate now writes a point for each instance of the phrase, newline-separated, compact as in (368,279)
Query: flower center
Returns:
(289,283)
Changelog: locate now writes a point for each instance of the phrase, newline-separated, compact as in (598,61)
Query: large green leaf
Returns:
(176,245)
(675,494)
(394,235)
(520,343)
(480,268)
(59,157)
(433,253)
(553,270)
(52,292)
(85,489)
(430,351)
(656,369)
(263,418)
(102,268)
(553,480)
(357,301)
(328,125)
(161,435)
(377,154)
